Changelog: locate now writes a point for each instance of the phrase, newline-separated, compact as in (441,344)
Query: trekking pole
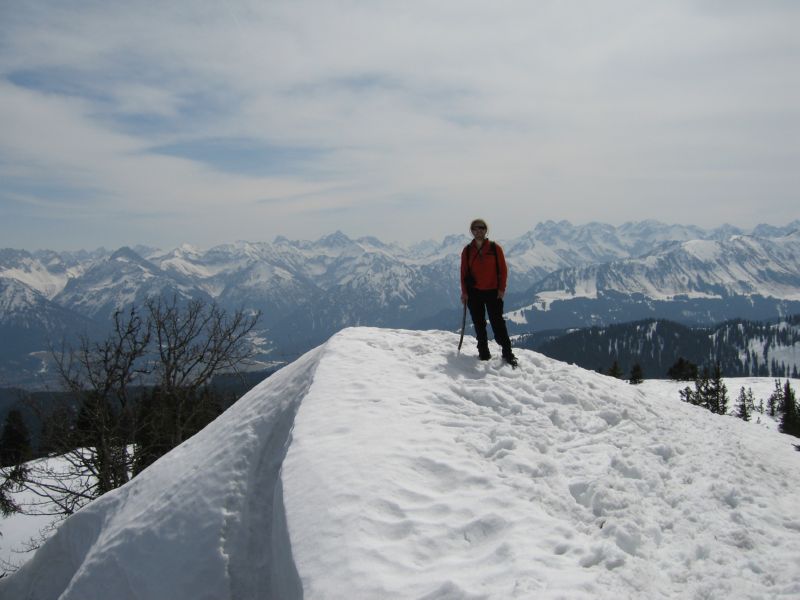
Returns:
(463,325)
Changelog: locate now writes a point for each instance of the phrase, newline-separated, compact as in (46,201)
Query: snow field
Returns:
(455,478)
(383,465)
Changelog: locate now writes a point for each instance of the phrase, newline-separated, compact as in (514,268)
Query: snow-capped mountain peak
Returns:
(740,264)
(127,255)
(336,240)
(47,273)
(123,279)
(15,297)
(308,290)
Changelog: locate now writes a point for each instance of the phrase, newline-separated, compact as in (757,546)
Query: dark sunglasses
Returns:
(479,227)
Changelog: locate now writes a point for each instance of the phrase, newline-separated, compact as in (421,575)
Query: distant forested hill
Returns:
(743,348)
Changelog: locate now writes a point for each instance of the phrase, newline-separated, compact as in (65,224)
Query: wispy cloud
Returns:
(518,111)
(246,156)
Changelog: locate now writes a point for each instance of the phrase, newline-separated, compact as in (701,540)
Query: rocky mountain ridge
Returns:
(562,275)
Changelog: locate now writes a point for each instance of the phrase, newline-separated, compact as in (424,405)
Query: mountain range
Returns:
(562,275)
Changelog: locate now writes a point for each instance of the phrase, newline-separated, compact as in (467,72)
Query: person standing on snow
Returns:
(483,284)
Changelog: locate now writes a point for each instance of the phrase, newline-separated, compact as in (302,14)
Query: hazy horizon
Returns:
(436,240)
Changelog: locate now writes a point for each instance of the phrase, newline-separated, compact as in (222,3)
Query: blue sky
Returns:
(206,122)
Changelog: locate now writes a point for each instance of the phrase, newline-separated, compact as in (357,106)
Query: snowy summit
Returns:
(384,465)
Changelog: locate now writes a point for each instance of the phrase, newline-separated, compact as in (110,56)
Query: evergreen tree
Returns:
(683,370)
(168,417)
(637,375)
(15,441)
(15,449)
(745,405)
(697,397)
(150,441)
(11,480)
(98,427)
(716,399)
(709,392)
(615,370)
(701,385)
(790,419)
(57,429)
(775,400)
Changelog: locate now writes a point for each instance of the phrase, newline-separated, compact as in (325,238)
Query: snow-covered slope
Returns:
(741,265)
(45,271)
(123,279)
(30,322)
(383,465)
(45,276)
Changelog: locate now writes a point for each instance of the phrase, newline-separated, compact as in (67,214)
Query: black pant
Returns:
(480,302)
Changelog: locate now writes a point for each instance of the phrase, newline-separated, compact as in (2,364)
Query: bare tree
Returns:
(193,342)
(115,426)
(92,431)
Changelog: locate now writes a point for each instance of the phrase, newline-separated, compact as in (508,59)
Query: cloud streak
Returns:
(399,120)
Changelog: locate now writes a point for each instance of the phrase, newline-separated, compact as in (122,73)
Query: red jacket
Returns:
(487,265)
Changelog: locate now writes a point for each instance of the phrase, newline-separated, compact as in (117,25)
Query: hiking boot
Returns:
(484,355)
(510,359)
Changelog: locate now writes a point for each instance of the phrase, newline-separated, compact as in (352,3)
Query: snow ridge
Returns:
(205,521)
(384,465)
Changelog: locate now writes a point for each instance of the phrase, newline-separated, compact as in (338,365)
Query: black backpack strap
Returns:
(469,264)
(496,262)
